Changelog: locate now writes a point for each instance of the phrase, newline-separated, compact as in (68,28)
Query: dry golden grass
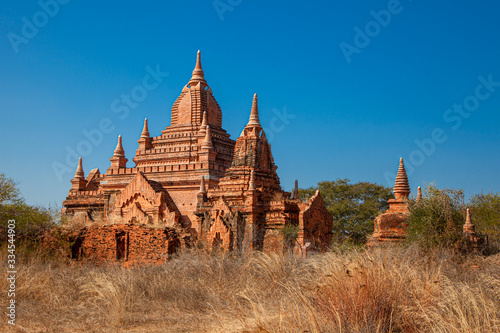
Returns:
(394,290)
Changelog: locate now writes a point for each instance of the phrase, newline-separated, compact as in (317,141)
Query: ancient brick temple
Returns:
(469,231)
(192,185)
(390,226)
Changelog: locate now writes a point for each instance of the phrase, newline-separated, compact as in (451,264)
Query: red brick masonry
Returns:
(192,185)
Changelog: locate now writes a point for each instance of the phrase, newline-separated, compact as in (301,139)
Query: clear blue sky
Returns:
(359,100)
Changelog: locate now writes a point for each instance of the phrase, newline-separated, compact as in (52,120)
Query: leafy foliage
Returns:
(485,211)
(31,221)
(353,207)
(9,193)
(290,232)
(437,220)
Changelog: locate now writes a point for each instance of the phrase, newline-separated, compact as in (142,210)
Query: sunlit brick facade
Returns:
(203,187)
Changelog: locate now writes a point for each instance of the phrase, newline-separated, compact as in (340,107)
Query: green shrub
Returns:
(31,221)
(437,220)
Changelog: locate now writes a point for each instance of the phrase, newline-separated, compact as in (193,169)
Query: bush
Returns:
(31,221)
(437,220)
(485,211)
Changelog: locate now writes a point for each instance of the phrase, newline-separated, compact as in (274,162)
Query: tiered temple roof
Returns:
(199,184)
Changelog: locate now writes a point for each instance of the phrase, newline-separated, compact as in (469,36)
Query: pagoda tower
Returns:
(390,227)
(248,208)
(194,145)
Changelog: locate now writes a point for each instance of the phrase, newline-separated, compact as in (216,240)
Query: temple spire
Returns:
(198,74)
(401,187)
(295,194)
(204,120)
(419,194)
(202,193)
(145,139)
(207,142)
(203,189)
(204,123)
(119,152)
(469,227)
(254,114)
(79,183)
(118,160)
(145,130)
(79,174)
(251,185)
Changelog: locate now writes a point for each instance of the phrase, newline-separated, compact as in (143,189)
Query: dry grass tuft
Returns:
(392,290)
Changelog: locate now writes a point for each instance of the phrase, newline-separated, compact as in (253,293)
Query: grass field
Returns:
(394,290)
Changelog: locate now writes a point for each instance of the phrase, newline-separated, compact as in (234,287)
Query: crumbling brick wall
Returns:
(274,241)
(315,224)
(124,242)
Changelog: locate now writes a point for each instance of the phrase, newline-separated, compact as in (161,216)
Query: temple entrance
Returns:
(121,245)
(76,249)
(217,243)
(173,246)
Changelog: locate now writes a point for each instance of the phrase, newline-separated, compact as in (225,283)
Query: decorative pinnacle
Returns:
(295,194)
(119,152)
(79,174)
(207,142)
(203,189)
(469,226)
(198,74)
(401,187)
(204,120)
(419,194)
(254,114)
(145,131)
(468,219)
(251,185)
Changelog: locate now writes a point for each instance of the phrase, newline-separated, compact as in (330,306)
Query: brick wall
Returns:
(125,242)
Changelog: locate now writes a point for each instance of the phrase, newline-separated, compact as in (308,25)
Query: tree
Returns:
(353,207)
(437,219)
(485,211)
(31,221)
(9,193)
